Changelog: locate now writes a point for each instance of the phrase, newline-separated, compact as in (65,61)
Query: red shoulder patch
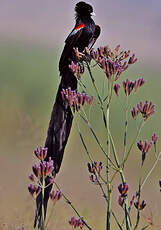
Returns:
(80,26)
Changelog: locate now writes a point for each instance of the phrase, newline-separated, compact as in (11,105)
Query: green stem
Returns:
(51,213)
(43,208)
(101,187)
(72,206)
(138,208)
(125,133)
(137,134)
(153,167)
(97,140)
(108,221)
(97,92)
(117,221)
(89,155)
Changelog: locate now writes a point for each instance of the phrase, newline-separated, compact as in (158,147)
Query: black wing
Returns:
(70,43)
(96,35)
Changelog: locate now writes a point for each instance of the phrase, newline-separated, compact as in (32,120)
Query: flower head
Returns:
(41,154)
(76,100)
(128,86)
(155,140)
(77,69)
(135,112)
(55,196)
(123,189)
(147,110)
(121,201)
(140,205)
(44,169)
(34,190)
(112,62)
(138,83)
(76,222)
(116,89)
(144,148)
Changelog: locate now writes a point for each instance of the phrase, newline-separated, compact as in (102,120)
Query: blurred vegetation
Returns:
(28,82)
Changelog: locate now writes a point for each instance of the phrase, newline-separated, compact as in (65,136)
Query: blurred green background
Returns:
(32,36)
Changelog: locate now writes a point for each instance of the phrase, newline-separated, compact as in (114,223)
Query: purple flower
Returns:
(77,69)
(128,86)
(155,140)
(76,100)
(31,177)
(140,205)
(76,222)
(44,169)
(144,148)
(34,190)
(41,154)
(138,83)
(55,196)
(132,59)
(116,89)
(147,110)
(121,201)
(135,112)
(123,189)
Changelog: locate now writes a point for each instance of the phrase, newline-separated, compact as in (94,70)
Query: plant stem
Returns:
(43,208)
(97,140)
(89,155)
(72,206)
(108,221)
(138,208)
(125,133)
(137,134)
(117,221)
(151,170)
(51,213)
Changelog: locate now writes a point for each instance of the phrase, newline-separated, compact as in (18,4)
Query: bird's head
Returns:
(83,9)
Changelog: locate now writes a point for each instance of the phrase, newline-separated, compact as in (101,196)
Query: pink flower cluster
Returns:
(76,222)
(76,100)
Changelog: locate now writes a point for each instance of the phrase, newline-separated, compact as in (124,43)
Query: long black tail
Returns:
(57,136)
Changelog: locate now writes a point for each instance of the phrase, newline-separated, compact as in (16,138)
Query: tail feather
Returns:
(57,137)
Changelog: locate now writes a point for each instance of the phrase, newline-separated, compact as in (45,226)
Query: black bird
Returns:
(83,35)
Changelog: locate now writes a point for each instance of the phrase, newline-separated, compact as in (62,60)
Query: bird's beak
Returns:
(93,14)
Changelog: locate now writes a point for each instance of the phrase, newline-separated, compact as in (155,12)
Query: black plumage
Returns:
(83,35)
